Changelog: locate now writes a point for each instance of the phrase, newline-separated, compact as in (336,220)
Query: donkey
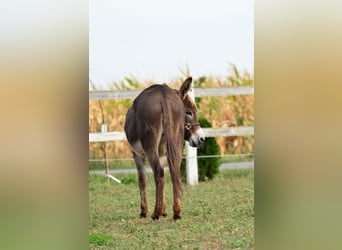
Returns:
(157,123)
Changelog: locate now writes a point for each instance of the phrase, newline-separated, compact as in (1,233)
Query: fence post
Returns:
(191,156)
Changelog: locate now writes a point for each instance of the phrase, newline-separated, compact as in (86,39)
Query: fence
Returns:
(209,132)
(200,92)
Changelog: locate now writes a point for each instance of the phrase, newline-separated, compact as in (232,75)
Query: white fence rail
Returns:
(209,132)
(200,92)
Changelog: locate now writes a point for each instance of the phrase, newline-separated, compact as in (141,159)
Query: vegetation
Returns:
(216,215)
(220,111)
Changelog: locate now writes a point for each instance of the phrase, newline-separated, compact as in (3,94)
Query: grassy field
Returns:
(216,215)
(129,163)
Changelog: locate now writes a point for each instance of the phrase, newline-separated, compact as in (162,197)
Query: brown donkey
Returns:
(156,125)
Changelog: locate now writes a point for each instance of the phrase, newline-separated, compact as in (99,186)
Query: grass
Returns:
(117,164)
(216,215)
(129,164)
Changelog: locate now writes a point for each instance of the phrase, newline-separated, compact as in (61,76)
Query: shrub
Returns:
(207,167)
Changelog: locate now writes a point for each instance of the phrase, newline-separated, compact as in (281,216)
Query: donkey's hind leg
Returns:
(163,161)
(158,172)
(139,162)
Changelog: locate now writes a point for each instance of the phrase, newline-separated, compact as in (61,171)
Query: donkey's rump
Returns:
(157,110)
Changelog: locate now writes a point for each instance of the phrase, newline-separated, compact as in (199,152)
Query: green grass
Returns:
(236,158)
(129,164)
(218,214)
(117,164)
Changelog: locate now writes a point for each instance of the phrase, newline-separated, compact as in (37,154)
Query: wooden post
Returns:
(191,156)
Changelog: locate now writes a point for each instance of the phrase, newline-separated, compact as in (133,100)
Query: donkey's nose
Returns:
(201,139)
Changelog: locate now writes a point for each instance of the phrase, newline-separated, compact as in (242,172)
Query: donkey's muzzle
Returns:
(197,139)
(201,139)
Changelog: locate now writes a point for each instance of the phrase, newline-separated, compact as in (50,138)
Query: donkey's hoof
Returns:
(177,217)
(142,215)
(155,216)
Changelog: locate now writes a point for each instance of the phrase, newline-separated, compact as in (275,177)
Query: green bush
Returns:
(207,167)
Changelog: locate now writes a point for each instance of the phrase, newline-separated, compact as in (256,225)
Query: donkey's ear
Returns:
(186,86)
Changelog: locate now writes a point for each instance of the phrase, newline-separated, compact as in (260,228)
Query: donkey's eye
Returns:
(189,113)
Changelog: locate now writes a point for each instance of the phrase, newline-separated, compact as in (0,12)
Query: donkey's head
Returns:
(193,132)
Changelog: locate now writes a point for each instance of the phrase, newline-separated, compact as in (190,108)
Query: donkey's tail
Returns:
(173,136)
